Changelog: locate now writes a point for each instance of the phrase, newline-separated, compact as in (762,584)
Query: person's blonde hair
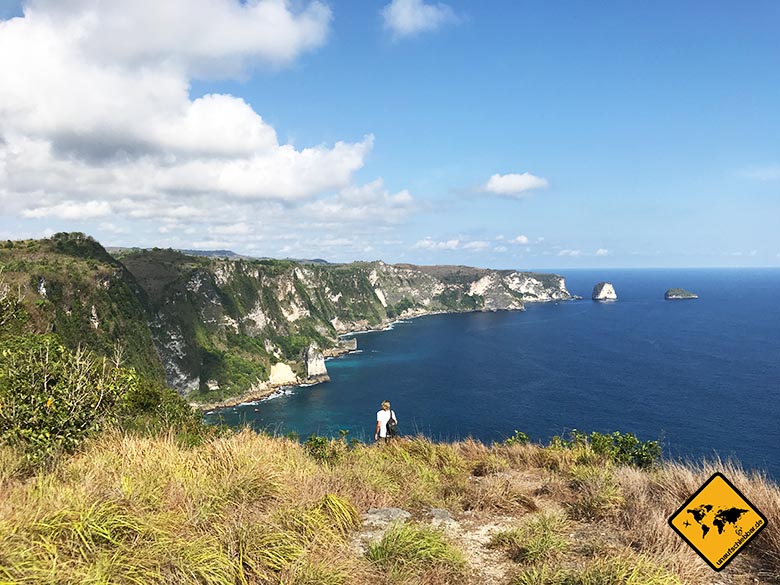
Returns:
(386,405)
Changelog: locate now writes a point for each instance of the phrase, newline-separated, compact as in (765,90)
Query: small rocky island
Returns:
(679,294)
(604,291)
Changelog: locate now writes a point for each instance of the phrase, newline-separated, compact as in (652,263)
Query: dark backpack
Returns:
(392,425)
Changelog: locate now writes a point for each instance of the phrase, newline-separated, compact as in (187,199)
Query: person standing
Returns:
(382,418)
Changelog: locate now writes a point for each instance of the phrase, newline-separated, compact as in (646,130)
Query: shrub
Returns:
(519,438)
(149,407)
(51,398)
(617,447)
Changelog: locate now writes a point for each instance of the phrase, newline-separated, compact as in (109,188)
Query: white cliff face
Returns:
(534,290)
(294,311)
(604,291)
(481,286)
(315,363)
(381,296)
(256,320)
(282,374)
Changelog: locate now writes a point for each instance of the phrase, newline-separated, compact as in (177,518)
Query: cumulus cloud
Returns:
(410,17)
(96,118)
(514,185)
(70,210)
(371,202)
(430,244)
(602,252)
(198,35)
(476,245)
(567,252)
(521,239)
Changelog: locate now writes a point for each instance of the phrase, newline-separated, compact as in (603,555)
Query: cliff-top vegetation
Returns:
(250,508)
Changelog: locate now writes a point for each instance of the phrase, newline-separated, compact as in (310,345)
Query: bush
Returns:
(51,398)
(149,407)
(519,438)
(617,447)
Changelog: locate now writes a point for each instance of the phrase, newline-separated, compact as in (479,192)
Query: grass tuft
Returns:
(410,547)
(541,538)
(597,492)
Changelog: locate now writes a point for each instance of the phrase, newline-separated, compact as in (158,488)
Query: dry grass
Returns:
(249,508)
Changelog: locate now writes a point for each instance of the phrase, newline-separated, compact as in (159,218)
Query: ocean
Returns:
(701,376)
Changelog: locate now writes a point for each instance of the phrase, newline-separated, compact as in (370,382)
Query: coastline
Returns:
(265,389)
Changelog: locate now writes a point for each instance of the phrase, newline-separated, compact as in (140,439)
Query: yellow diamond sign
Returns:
(717,521)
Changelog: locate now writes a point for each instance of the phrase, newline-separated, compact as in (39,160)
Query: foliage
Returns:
(519,438)
(617,447)
(328,451)
(51,398)
(149,407)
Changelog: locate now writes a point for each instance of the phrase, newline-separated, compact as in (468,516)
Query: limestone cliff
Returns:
(217,328)
(233,320)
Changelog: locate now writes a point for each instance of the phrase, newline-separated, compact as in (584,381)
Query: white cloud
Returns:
(198,35)
(112,228)
(521,239)
(371,202)
(500,249)
(430,244)
(410,17)
(70,210)
(241,228)
(514,185)
(476,245)
(602,252)
(570,253)
(96,118)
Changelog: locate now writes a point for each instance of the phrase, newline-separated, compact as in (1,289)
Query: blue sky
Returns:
(502,134)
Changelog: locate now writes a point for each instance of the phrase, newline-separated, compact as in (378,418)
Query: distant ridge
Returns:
(217,254)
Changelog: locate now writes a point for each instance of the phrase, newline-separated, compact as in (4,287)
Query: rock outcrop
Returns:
(604,291)
(679,294)
(282,375)
(315,364)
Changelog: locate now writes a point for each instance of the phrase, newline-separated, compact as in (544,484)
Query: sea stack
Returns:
(679,294)
(604,291)
(315,364)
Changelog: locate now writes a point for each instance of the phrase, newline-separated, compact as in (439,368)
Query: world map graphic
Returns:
(722,517)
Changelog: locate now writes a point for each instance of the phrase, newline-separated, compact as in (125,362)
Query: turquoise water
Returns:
(702,376)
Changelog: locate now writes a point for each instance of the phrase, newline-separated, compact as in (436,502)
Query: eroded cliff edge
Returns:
(221,325)
(226,329)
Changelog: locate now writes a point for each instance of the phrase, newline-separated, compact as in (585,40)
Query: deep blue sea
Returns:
(702,376)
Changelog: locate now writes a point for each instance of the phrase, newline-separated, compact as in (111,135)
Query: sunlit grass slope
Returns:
(249,508)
